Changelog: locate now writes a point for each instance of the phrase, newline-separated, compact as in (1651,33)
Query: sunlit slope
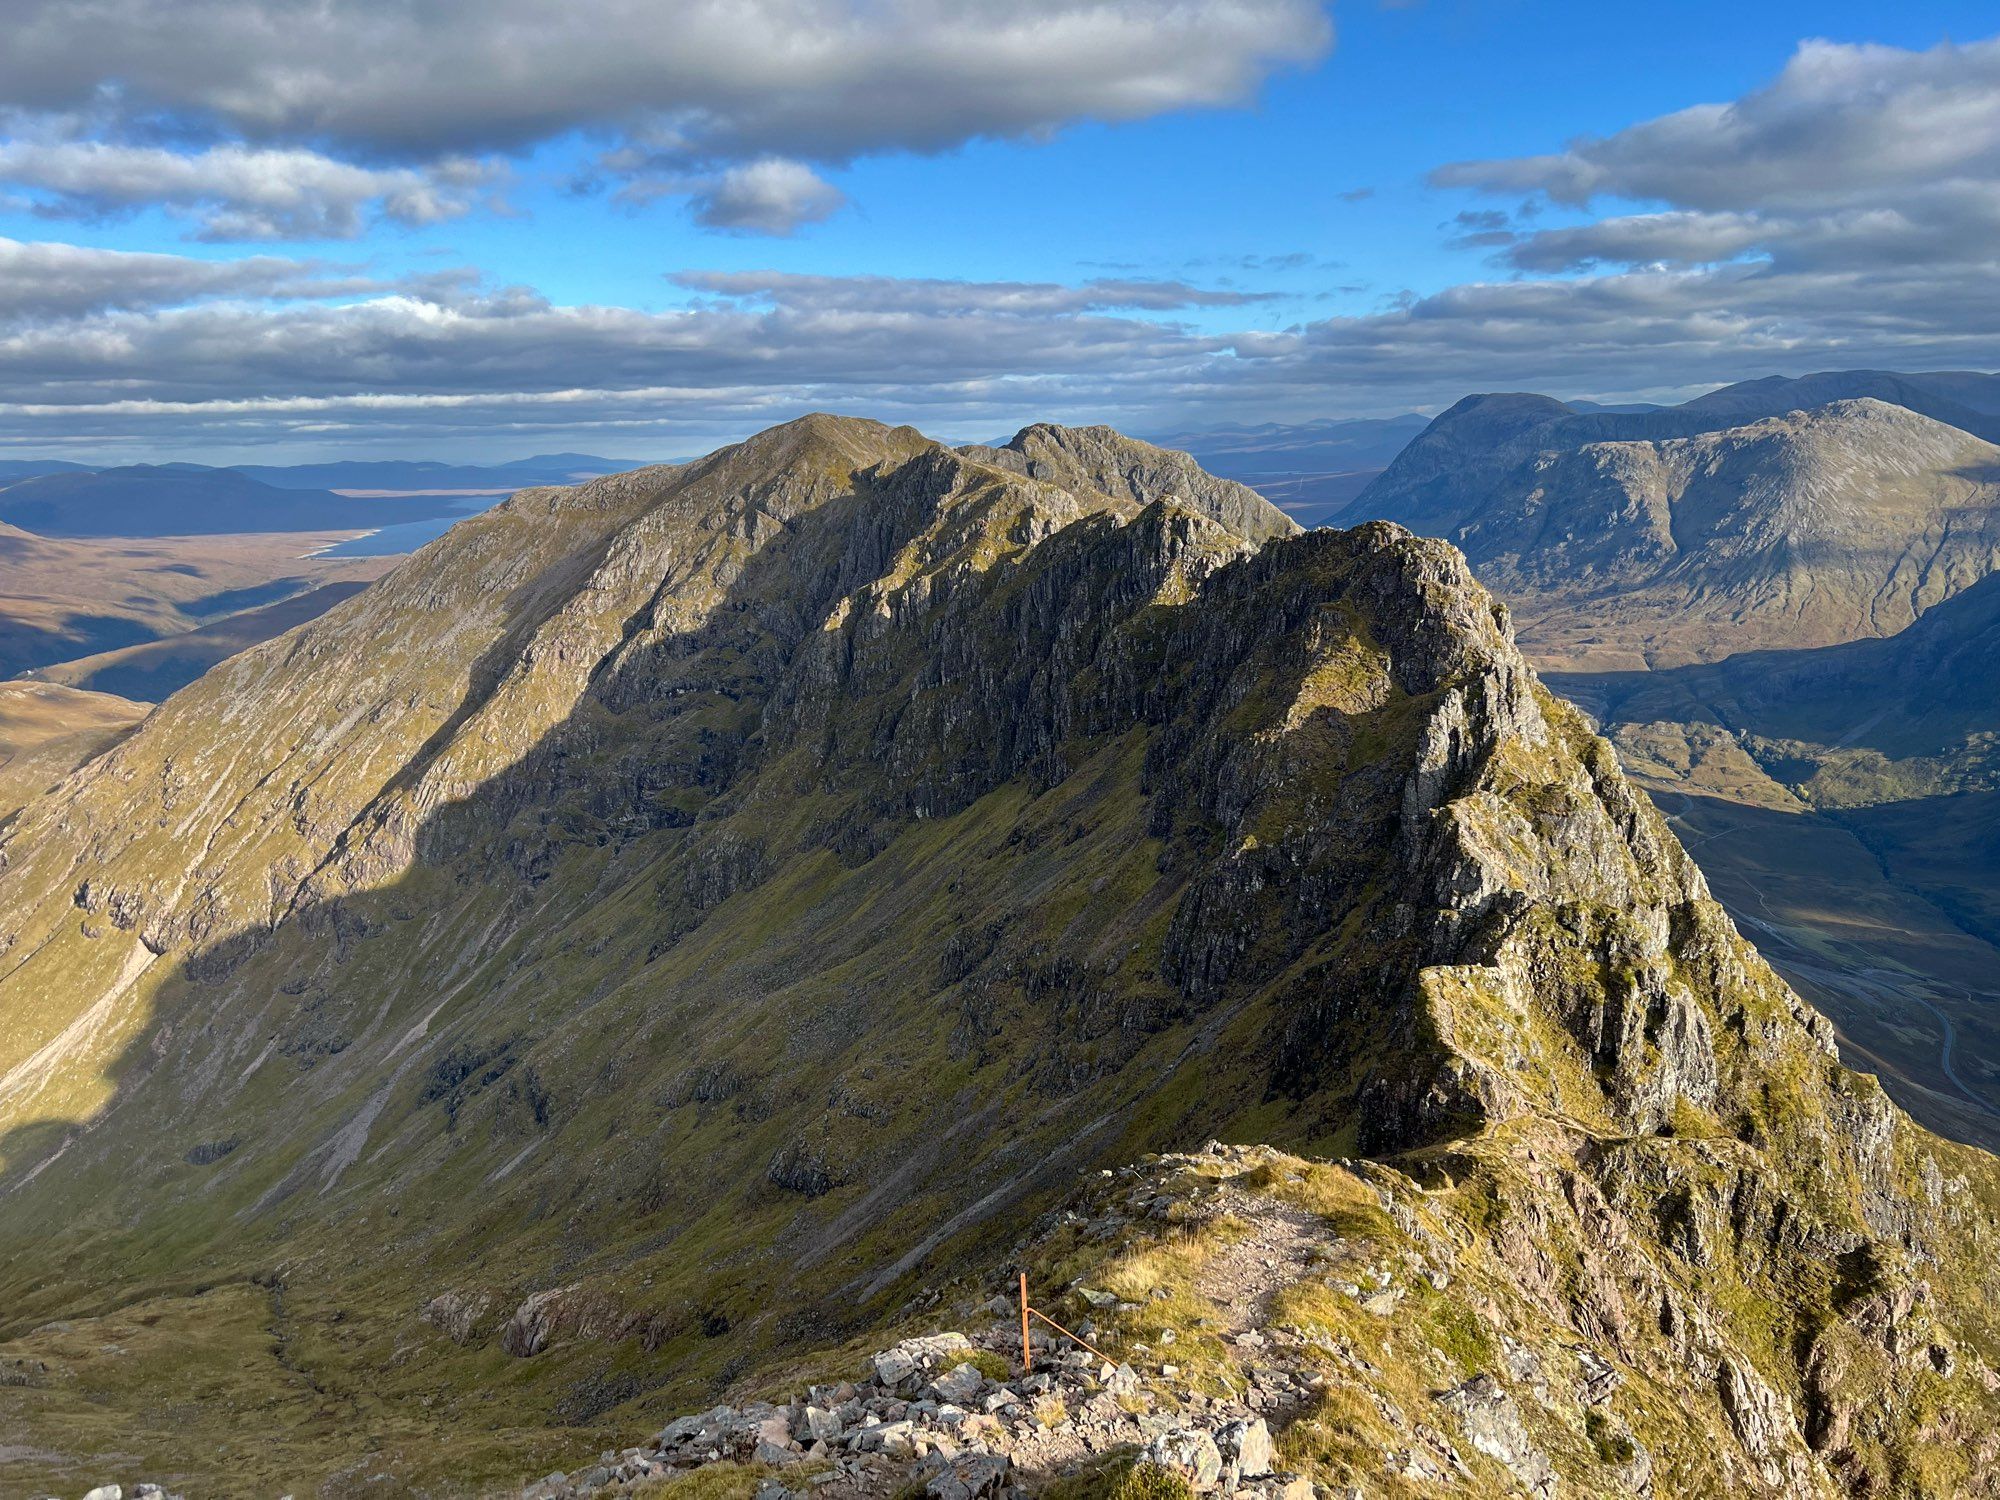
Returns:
(669,923)
(1847,520)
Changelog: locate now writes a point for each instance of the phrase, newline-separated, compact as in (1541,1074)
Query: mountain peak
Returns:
(1664,537)
(1103,459)
(674,926)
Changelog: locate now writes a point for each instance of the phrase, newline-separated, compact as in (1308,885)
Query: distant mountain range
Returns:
(1962,398)
(1313,470)
(369,474)
(182,500)
(1689,533)
(1274,448)
(1318,471)
(423,474)
(27,468)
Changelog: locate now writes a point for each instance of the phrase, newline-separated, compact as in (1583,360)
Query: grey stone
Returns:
(1119,1379)
(1246,1450)
(960,1385)
(971,1476)
(686,1429)
(817,1424)
(1492,1424)
(902,1365)
(1188,1451)
(1598,1378)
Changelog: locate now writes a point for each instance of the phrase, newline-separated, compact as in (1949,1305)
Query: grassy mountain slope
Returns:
(642,944)
(47,731)
(151,670)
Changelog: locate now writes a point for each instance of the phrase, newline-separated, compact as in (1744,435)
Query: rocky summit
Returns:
(616,1004)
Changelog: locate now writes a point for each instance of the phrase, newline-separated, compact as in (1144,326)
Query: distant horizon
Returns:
(399,232)
(471,455)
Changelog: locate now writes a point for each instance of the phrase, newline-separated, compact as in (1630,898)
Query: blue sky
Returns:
(501,269)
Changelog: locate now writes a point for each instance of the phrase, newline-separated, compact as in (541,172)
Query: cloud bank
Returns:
(1857,157)
(291,116)
(1842,216)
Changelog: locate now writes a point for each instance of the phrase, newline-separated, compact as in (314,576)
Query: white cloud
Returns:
(44,285)
(939,297)
(238,192)
(444,365)
(1840,126)
(771,196)
(734,100)
(1901,271)
(1853,155)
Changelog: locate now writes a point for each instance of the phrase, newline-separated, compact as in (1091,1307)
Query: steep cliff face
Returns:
(667,924)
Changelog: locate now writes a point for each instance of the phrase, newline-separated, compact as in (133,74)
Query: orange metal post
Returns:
(1027,1354)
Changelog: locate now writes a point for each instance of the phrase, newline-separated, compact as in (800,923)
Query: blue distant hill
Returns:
(187,500)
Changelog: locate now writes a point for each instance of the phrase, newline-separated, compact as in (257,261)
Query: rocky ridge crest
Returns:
(549,939)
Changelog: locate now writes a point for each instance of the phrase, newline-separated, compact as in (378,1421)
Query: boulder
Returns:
(685,1429)
(959,1385)
(1246,1451)
(457,1315)
(971,1476)
(1597,1379)
(902,1367)
(1119,1379)
(545,1316)
(1492,1424)
(817,1424)
(1189,1452)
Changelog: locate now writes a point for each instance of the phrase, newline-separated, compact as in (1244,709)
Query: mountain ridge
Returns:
(559,925)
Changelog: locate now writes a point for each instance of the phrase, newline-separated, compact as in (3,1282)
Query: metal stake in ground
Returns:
(1027,1353)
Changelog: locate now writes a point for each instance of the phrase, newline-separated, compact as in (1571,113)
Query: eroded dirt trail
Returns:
(1244,1275)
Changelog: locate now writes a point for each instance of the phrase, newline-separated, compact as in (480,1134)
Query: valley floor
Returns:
(1915,995)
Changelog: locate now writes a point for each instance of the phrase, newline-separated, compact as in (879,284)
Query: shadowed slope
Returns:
(668,923)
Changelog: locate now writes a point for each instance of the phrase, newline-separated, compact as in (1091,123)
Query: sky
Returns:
(289,230)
